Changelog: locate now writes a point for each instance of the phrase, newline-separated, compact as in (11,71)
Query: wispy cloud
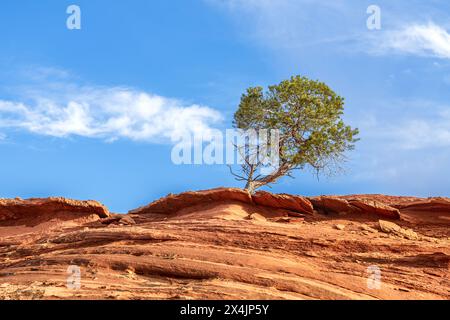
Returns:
(287,24)
(405,146)
(295,25)
(109,113)
(423,124)
(429,40)
(421,134)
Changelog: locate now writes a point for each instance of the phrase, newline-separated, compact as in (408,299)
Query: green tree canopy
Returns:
(308,116)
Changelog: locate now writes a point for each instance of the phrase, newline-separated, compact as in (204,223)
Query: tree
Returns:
(307,115)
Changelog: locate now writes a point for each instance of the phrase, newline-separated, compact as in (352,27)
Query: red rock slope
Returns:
(227,244)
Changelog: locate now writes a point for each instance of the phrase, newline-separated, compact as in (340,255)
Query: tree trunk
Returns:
(250,187)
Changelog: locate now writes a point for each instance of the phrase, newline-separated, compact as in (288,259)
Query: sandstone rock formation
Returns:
(283,201)
(375,207)
(429,205)
(222,244)
(17,209)
(389,227)
(354,205)
(332,204)
(174,203)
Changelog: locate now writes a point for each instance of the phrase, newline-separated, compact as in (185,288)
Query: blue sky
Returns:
(175,66)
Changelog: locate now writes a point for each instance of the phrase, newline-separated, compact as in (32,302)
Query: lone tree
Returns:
(307,115)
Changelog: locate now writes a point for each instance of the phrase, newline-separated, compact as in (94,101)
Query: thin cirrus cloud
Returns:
(411,134)
(421,134)
(428,40)
(107,113)
(423,125)
(297,24)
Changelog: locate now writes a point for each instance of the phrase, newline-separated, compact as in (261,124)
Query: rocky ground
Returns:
(227,244)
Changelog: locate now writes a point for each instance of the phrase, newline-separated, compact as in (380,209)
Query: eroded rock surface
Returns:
(430,205)
(283,201)
(375,207)
(392,228)
(219,244)
(332,204)
(18,209)
(174,203)
(354,205)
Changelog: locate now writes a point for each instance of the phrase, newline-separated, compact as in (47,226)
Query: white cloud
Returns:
(296,25)
(422,134)
(108,113)
(406,125)
(404,147)
(417,39)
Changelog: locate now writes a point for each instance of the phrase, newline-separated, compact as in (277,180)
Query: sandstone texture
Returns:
(375,207)
(332,204)
(174,203)
(53,208)
(283,201)
(227,244)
